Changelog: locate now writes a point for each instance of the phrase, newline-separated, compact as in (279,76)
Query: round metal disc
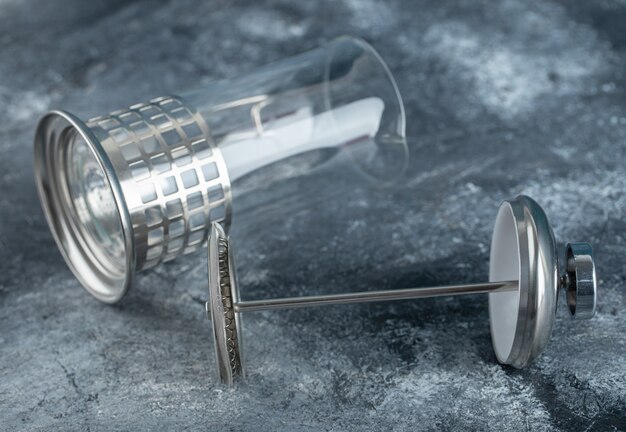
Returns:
(55,131)
(223,294)
(522,248)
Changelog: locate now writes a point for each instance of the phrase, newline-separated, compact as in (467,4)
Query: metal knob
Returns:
(579,281)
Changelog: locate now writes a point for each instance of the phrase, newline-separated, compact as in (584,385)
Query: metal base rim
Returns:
(51,135)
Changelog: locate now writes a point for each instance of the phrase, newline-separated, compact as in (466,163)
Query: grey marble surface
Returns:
(501,98)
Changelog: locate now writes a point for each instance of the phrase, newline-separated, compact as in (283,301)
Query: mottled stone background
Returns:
(502,98)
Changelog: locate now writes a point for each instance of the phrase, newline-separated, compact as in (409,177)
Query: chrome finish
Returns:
(373,296)
(538,282)
(167,176)
(537,289)
(580,281)
(54,134)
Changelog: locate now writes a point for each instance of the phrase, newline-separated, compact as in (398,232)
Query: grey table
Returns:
(501,98)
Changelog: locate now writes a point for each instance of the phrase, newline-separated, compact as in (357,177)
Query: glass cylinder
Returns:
(125,191)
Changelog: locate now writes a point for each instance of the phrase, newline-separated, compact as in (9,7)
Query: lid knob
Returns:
(579,280)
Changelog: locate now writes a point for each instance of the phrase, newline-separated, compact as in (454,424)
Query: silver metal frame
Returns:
(540,282)
(167,176)
(52,137)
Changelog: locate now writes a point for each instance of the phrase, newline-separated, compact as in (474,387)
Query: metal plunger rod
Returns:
(373,296)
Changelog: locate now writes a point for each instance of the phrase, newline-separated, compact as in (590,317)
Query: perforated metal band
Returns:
(172,174)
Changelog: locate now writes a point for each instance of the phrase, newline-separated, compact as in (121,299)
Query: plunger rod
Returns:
(374,296)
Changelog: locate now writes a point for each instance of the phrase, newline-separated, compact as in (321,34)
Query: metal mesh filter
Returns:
(172,174)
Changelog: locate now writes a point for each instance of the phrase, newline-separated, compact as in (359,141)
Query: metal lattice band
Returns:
(173,176)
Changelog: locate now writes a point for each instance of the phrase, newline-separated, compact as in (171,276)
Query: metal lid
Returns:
(523,248)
